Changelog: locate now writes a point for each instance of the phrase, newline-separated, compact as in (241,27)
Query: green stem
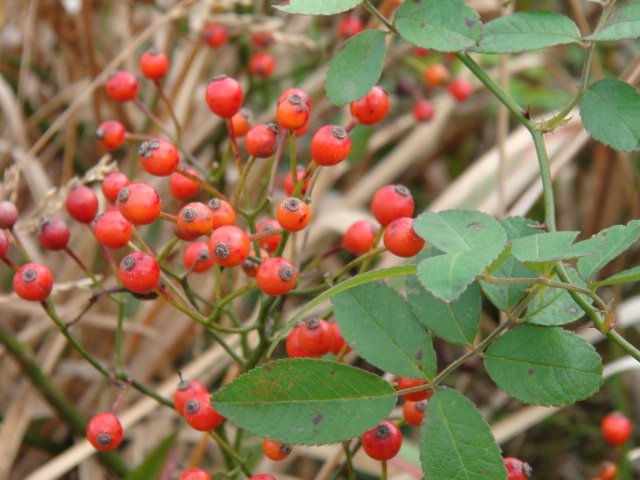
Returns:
(364,258)
(204,185)
(230,451)
(167,249)
(376,13)
(241,182)
(293,163)
(118,339)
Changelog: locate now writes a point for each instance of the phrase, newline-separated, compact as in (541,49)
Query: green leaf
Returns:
(545,366)
(314,7)
(529,30)
(623,24)
(152,465)
(306,401)
(630,275)
(553,246)
(618,239)
(456,442)
(443,25)
(554,306)
(610,111)
(377,322)
(506,296)
(454,231)
(356,67)
(455,322)
(517,227)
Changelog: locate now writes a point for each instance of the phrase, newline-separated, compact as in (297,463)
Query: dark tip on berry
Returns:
(100,133)
(222,250)
(104,439)
(222,76)
(29,275)
(145,148)
(313,323)
(286,273)
(192,406)
(285,448)
(44,221)
(123,195)
(153,51)
(421,405)
(203,256)
(295,99)
(128,263)
(383,431)
(273,127)
(214,204)
(402,190)
(292,204)
(339,132)
(189,214)
(527,470)
(246,113)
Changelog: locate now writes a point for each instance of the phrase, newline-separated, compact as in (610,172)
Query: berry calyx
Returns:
(405,383)
(8,214)
(195,219)
(197,258)
(229,246)
(276,276)
(262,65)
(413,412)
(293,112)
(139,272)
(222,213)
(391,202)
(316,336)
(224,96)
(111,134)
(53,233)
(401,239)
(139,203)
(112,230)
(104,432)
(616,428)
(382,442)
(276,451)
(112,184)
(261,141)
(215,35)
(122,86)
(359,237)
(82,204)
(517,469)
(194,474)
(293,214)
(186,390)
(181,187)
(295,91)
(371,108)
(199,413)
(154,64)
(33,282)
(330,145)
(159,157)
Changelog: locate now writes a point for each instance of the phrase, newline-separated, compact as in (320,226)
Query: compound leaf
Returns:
(625,23)
(553,246)
(630,275)
(554,306)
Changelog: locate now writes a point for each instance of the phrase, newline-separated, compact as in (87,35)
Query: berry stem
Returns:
(18,242)
(241,182)
(234,145)
(376,13)
(168,217)
(293,164)
(167,102)
(118,340)
(351,125)
(167,249)
(383,468)
(365,259)
(266,234)
(84,268)
(222,443)
(9,263)
(204,185)
(222,303)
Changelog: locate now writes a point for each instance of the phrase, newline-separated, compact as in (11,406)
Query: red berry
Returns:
(139,203)
(194,474)
(112,230)
(293,214)
(154,64)
(139,272)
(104,432)
(276,276)
(330,145)
(33,282)
(349,26)
(262,476)
(436,75)
(159,157)
(112,184)
(359,237)
(460,89)
(241,122)
(182,187)
(295,91)
(251,268)
(616,428)
(261,65)
(276,451)
(195,219)
(224,96)
(382,442)
(262,39)
(287,182)
(413,412)
(199,413)
(5,243)
(391,202)
(222,213)
(338,341)
(183,236)
(517,469)
(371,108)
(420,52)
(8,214)
(197,252)
(423,110)
(292,345)
(215,35)
(111,134)
(82,204)
(229,246)
(607,471)
(293,112)
(400,238)
(186,389)
(316,336)
(262,140)
(405,383)
(122,86)
(271,242)
(53,233)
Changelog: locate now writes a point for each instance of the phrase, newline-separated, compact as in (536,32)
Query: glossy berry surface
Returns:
(112,230)
(8,214)
(316,336)
(197,256)
(262,141)
(5,243)
(616,428)
(391,202)
(241,122)
(195,219)
(82,204)
(338,341)
(159,157)
(186,389)
(154,64)
(359,237)
(139,272)
(181,187)
(53,233)
(215,35)
(122,86)
(199,413)
(405,383)
(224,96)
(104,432)
(292,345)
(413,412)
(287,182)
(349,26)
(276,276)
(423,110)
(194,474)
(139,203)
(222,212)
(229,246)
(330,145)
(460,89)
(262,65)
(371,108)
(436,75)
(271,242)
(293,214)
(517,469)
(111,134)
(400,238)
(293,112)
(112,184)
(276,451)
(33,282)
(382,442)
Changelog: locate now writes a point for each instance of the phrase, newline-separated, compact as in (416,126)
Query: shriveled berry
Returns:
(82,204)
(330,145)
(400,238)
(517,469)
(391,202)
(292,113)
(262,141)
(139,203)
(371,108)
(154,64)
(104,432)
(382,442)
(197,254)
(111,134)
(215,35)
(316,336)
(112,184)
(276,451)
(8,214)
(199,413)
(293,214)
(53,233)
(276,276)
(271,242)
(405,383)
(182,187)
(122,86)
(139,272)
(112,230)
(195,219)
(159,157)
(222,213)
(359,237)
(262,65)
(186,389)
(224,96)
(33,282)
(229,246)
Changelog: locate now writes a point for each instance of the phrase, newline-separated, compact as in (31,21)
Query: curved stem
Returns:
(376,13)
